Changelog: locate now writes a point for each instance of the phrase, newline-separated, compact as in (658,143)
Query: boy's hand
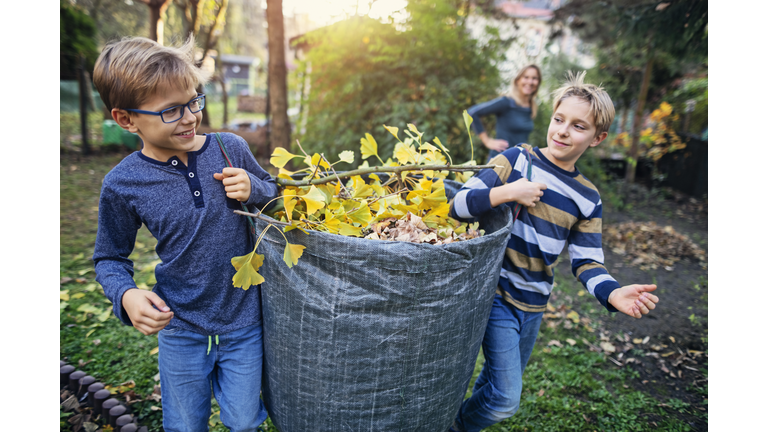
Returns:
(634,300)
(521,191)
(148,320)
(236,182)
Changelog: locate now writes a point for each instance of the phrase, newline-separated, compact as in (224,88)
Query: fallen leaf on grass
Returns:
(541,393)
(154,350)
(607,347)
(573,316)
(571,342)
(555,343)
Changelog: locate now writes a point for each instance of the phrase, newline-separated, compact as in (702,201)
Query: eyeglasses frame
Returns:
(160,113)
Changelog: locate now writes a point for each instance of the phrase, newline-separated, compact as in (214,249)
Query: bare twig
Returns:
(386,169)
(259,216)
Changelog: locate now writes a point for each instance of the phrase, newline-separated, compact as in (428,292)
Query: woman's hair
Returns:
(513,91)
(130,71)
(600,104)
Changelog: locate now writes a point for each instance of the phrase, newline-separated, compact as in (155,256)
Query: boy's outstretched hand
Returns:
(139,306)
(236,182)
(634,300)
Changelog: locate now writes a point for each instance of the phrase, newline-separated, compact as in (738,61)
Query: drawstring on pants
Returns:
(209,344)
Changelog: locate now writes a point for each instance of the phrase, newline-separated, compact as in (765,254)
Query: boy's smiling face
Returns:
(164,140)
(571,132)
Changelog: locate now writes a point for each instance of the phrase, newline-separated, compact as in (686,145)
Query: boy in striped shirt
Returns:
(561,207)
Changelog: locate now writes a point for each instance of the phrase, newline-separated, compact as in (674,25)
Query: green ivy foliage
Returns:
(363,74)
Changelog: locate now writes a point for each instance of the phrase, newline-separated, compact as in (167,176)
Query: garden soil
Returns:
(668,347)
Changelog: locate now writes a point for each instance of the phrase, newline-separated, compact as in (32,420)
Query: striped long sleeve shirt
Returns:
(570,212)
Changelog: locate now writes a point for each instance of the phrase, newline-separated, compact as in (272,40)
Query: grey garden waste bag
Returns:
(369,335)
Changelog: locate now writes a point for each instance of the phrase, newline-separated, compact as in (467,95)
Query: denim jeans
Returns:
(232,368)
(507,345)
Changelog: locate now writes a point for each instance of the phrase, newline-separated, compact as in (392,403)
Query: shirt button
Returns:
(197,193)
(191,175)
(174,162)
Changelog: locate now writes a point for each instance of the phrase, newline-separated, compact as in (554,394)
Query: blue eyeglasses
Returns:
(175,113)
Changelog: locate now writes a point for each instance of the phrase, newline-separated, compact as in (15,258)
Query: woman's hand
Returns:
(493,144)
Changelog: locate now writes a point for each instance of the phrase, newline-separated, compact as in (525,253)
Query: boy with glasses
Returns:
(180,186)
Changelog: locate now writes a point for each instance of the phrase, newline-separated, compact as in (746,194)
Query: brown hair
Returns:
(600,103)
(130,71)
(513,92)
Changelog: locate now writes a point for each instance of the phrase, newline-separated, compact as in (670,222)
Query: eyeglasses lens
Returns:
(175,113)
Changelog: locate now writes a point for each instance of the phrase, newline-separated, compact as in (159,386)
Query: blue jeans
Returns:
(507,345)
(232,369)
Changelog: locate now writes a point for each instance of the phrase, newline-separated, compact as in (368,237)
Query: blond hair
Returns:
(600,104)
(131,70)
(514,93)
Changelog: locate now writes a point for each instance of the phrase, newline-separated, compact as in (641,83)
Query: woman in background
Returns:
(514,112)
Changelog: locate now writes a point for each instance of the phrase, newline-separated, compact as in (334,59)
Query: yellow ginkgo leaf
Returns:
(393,130)
(368,146)
(363,191)
(349,230)
(347,156)
(154,350)
(314,199)
(439,144)
(413,129)
(328,191)
(292,254)
(294,225)
(467,119)
(280,157)
(64,295)
(427,147)
(440,210)
(318,160)
(256,260)
(463,177)
(434,199)
(289,203)
(247,267)
(362,215)
(405,154)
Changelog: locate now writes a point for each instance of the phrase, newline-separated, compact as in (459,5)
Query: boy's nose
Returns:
(188,116)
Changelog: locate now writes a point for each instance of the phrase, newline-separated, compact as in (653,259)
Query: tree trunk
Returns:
(157,10)
(84,88)
(280,130)
(225,100)
(638,121)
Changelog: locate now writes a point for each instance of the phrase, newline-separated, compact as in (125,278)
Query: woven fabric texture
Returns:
(368,335)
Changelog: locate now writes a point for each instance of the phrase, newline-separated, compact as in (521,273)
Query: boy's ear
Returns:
(124,120)
(599,138)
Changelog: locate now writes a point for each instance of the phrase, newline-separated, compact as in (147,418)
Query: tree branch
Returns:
(379,169)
